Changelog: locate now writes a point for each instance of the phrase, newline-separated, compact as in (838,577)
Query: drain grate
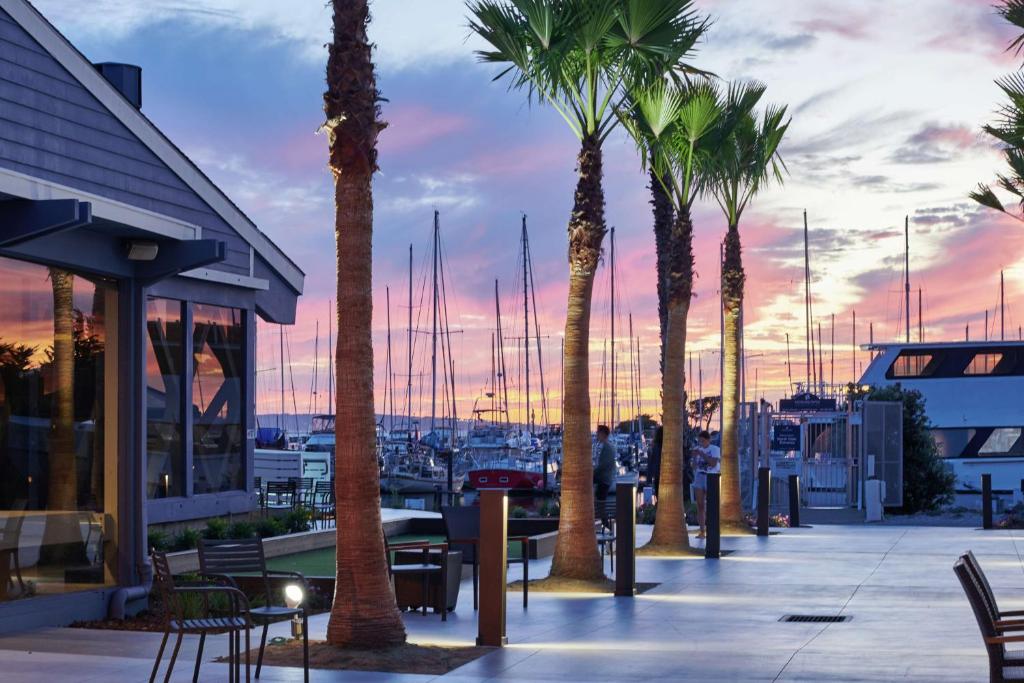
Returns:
(815,618)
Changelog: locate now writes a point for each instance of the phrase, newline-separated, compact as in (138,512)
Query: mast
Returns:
(807,301)
(613,424)
(387,379)
(408,395)
(639,391)
(501,352)
(330,357)
(1002,307)
(433,335)
(526,331)
(789,365)
(853,363)
(316,370)
(832,353)
(494,379)
(906,270)
(920,316)
(632,373)
(280,421)
(536,332)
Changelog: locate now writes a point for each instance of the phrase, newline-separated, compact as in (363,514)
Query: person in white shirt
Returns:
(707,459)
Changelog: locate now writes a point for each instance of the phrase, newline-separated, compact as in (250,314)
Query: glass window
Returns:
(218,402)
(53,338)
(1002,441)
(165,371)
(984,364)
(911,365)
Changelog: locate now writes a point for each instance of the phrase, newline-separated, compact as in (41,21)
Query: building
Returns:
(129,291)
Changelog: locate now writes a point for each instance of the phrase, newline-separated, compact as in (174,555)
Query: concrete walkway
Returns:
(706,621)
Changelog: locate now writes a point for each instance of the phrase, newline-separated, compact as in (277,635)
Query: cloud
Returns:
(936,143)
(410,194)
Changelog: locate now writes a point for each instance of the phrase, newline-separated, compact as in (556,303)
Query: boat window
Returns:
(910,364)
(985,364)
(1003,441)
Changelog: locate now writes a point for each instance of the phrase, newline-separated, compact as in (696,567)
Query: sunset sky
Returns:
(887,101)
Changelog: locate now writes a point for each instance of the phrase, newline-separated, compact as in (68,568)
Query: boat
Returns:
(971,392)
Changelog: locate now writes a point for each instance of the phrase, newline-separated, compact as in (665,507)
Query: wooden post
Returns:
(794,500)
(712,546)
(986,501)
(625,539)
(493,550)
(764,483)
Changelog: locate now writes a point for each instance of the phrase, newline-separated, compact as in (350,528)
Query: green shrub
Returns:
(157,540)
(518,512)
(646,513)
(242,530)
(216,529)
(298,520)
(186,539)
(270,526)
(549,508)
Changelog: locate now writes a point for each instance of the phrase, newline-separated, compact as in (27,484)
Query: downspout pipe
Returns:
(119,600)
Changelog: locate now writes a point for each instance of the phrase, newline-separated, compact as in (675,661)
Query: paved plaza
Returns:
(708,620)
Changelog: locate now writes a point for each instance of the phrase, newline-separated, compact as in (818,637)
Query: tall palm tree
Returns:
(364,613)
(577,57)
(672,126)
(664,214)
(743,164)
(1008,130)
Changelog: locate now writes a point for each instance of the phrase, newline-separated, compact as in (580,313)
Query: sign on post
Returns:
(786,437)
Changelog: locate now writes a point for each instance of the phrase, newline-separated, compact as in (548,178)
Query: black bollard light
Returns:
(625,539)
(764,483)
(713,517)
(986,501)
(794,500)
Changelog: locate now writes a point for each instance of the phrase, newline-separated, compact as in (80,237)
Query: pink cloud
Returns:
(411,127)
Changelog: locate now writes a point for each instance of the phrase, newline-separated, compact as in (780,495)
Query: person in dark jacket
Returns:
(604,471)
(654,461)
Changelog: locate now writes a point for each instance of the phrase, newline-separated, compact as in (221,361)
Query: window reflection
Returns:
(984,364)
(218,338)
(165,370)
(52,353)
(911,365)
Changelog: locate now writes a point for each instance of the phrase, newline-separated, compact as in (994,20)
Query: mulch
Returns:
(403,659)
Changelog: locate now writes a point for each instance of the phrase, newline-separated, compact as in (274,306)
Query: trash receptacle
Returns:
(874,491)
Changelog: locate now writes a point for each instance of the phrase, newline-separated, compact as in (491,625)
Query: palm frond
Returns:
(986,197)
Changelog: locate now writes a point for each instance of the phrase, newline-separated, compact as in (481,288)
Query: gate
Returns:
(882,447)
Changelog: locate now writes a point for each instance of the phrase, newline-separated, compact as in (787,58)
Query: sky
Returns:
(887,102)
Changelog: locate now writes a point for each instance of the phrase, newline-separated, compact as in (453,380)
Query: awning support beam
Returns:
(174,258)
(22,220)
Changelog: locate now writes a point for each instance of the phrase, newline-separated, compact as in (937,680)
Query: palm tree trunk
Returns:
(661,204)
(364,613)
(576,549)
(732,304)
(670,523)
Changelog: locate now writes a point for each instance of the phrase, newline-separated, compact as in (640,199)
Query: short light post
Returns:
(493,551)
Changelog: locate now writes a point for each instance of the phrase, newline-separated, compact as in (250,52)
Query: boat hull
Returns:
(504,478)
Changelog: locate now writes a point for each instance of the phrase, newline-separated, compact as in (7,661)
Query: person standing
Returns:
(707,459)
(604,471)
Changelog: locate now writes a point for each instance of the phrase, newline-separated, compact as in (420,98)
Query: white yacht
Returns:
(973,398)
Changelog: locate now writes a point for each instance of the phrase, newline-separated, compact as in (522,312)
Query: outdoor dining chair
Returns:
(280,495)
(997,635)
(425,569)
(322,502)
(303,489)
(226,559)
(179,602)
(462,528)
(10,542)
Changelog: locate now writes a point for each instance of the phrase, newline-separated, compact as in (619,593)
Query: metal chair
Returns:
(1002,669)
(424,569)
(604,529)
(225,559)
(10,538)
(234,618)
(303,488)
(280,495)
(322,502)
(462,528)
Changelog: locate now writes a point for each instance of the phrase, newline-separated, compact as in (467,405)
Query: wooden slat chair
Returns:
(424,569)
(280,495)
(996,636)
(224,559)
(232,618)
(1000,618)
(322,502)
(604,528)
(462,528)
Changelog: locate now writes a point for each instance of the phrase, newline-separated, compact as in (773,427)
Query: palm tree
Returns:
(1008,130)
(672,125)
(664,215)
(577,57)
(742,165)
(364,613)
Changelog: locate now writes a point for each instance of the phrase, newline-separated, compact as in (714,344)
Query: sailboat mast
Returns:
(789,365)
(906,271)
(330,357)
(613,424)
(433,336)
(632,372)
(526,330)
(639,390)
(408,395)
(494,379)
(501,352)
(807,301)
(1002,307)
(390,373)
(280,421)
(316,370)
